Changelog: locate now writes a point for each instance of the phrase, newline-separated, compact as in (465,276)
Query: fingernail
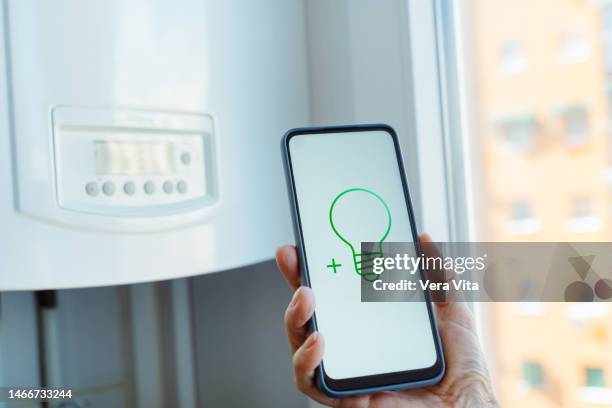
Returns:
(296,295)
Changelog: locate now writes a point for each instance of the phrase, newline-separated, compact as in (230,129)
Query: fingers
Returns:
(438,274)
(297,315)
(308,351)
(287,261)
(305,361)
(428,246)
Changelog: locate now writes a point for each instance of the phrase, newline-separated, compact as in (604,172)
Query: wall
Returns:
(242,355)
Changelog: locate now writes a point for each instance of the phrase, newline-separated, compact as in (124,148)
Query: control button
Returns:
(149,187)
(186,158)
(92,189)
(129,188)
(108,188)
(168,187)
(181,187)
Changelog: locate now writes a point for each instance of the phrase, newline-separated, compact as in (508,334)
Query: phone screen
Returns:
(349,190)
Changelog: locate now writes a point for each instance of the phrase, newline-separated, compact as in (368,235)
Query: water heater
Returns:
(139,139)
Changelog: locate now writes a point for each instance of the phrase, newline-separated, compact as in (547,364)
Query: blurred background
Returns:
(504,113)
(537,81)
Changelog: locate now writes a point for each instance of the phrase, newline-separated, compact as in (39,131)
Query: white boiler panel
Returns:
(139,140)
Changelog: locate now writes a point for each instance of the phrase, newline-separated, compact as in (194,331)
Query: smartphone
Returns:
(346,184)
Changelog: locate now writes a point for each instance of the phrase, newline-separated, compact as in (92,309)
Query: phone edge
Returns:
(304,278)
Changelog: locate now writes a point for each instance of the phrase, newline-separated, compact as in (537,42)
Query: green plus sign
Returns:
(334,265)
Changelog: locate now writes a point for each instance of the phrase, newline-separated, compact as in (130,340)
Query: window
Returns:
(513,61)
(521,211)
(594,390)
(606,17)
(533,376)
(530,308)
(579,311)
(594,377)
(575,125)
(583,218)
(574,48)
(581,208)
(522,219)
(517,131)
(609,124)
(556,192)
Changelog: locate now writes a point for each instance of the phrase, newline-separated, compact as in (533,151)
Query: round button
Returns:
(168,187)
(108,188)
(149,187)
(129,188)
(186,158)
(92,189)
(181,187)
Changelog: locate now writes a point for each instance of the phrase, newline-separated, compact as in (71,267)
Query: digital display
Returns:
(134,158)
(347,172)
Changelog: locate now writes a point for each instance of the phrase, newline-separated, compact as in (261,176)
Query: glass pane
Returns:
(538,77)
(532,375)
(595,377)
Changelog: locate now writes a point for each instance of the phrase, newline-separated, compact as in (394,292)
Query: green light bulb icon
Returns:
(352,215)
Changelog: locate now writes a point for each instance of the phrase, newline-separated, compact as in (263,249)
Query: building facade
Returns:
(542,88)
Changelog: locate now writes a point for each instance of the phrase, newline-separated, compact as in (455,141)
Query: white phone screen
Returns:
(360,171)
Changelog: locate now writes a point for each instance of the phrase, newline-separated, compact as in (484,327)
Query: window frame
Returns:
(462,175)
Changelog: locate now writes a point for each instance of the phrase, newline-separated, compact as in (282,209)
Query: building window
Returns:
(607,37)
(581,311)
(517,131)
(583,217)
(530,308)
(594,390)
(581,208)
(594,377)
(575,125)
(533,375)
(609,121)
(574,48)
(522,219)
(512,59)
(521,211)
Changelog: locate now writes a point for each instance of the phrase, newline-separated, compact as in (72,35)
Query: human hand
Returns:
(465,384)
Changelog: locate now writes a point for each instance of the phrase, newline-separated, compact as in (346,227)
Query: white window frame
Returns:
(445,119)
(462,176)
